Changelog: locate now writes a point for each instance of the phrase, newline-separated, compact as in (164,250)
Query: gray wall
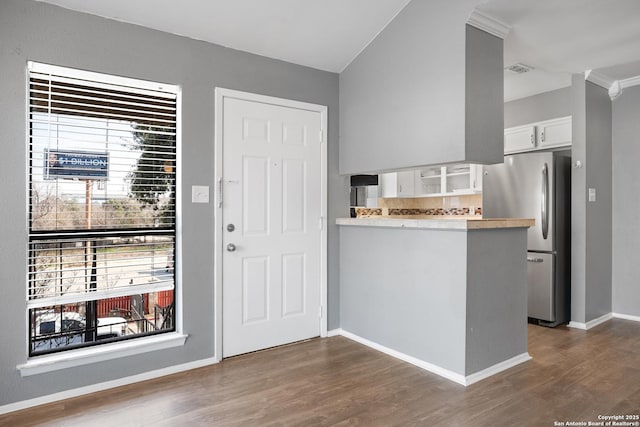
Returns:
(626,203)
(591,228)
(484,97)
(406,290)
(544,106)
(599,215)
(496,297)
(45,33)
(578,199)
(403,99)
(429,293)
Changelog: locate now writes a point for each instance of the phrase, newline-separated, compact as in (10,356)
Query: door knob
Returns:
(231,247)
(231,227)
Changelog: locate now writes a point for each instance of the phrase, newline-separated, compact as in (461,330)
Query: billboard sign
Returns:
(70,164)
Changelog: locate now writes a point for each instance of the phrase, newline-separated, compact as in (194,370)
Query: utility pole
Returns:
(90,259)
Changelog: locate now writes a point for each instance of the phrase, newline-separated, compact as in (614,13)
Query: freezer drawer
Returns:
(541,286)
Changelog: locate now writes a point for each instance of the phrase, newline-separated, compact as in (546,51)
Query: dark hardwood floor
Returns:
(574,376)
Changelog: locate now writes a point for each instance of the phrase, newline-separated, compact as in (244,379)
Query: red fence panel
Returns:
(122,304)
(165,298)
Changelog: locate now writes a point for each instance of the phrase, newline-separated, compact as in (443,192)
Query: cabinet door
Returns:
(554,133)
(388,184)
(428,181)
(406,184)
(396,184)
(459,178)
(521,138)
(476,176)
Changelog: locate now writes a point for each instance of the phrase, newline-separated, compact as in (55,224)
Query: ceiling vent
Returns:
(519,68)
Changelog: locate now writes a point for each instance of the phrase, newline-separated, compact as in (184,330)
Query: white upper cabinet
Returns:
(397,184)
(537,136)
(554,133)
(428,181)
(388,185)
(455,179)
(406,183)
(462,178)
(521,138)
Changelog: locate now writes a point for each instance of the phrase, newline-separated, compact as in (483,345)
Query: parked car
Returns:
(51,323)
(55,330)
(111,327)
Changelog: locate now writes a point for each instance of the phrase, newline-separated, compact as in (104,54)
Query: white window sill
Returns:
(84,356)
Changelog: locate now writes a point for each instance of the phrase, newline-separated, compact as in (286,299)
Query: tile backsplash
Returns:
(446,205)
(438,211)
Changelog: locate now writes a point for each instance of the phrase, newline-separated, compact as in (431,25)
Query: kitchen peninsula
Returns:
(448,295)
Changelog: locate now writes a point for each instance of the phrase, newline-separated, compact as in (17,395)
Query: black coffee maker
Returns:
(360,191)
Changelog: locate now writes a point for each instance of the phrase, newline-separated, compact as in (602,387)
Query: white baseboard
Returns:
(577,325)
(497,368)
(450,375)
(67,394)
(435,369)
(591,323)
(334,333)
(626,317)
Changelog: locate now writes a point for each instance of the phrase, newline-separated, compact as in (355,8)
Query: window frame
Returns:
(89,352)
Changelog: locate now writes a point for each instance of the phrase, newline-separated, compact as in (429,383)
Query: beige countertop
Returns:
(437,223)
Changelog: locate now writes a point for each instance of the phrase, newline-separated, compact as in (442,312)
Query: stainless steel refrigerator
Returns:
(537,185)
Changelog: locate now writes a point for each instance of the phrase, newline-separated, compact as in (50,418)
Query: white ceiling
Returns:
(556,37)
(326,34)
(561,37)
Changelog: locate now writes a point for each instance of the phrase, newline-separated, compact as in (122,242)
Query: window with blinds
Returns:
(102,208)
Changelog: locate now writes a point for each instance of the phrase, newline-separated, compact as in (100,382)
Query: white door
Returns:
(271,225)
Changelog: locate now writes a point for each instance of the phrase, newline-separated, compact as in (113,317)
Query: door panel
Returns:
(255,189)
(293,195)
(293,284)
(272,194)
(541,286)
(255,289)
(294,134)
(255,130)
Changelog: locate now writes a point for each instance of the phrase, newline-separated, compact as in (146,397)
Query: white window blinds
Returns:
(102,186)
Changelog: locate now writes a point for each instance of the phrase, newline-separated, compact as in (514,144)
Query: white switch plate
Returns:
(199,194)
(592,194)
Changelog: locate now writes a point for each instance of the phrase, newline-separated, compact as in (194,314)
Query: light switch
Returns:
(592,194)
(199,194)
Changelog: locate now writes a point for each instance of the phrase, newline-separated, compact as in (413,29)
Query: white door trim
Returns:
(220,95)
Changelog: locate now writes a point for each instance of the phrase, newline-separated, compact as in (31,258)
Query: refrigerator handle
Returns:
(544,208)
